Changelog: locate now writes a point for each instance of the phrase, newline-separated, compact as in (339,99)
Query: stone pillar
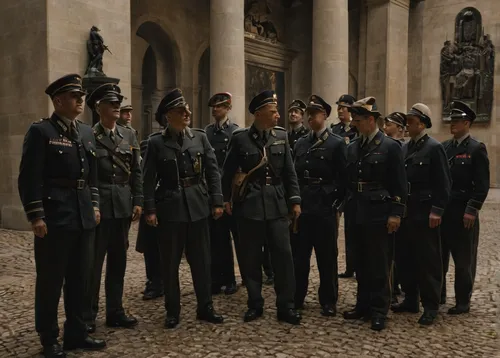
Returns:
(54,44)
(330,49)
(227,54)
(387,53)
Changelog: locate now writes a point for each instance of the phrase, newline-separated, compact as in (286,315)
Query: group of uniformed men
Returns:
(278,194)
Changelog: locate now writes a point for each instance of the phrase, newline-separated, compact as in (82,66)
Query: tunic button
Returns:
(83,170)
(307,162)
(223,151)
(225,139)
(114,175)
(322,157)
(60,152)
(420,163)
(183,153)
(360,171)
(83,160)
(114,166)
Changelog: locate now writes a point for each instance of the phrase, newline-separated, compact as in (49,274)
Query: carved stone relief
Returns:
(467,66)
(258,20)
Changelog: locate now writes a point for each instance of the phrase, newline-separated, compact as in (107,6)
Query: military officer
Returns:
(346,129)
(259,162)
(419,240)
(219,134)
(470,173)
(320,163)
(126,117)
(378,183)
(147,244)
(58,188)
(181,187)
(395,126)
(297,129)
(120,189)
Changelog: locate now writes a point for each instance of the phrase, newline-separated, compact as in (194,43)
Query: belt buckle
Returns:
(80,184)
(360,187)
(268,181)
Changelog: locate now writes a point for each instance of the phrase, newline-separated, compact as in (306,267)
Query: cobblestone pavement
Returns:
(471,335)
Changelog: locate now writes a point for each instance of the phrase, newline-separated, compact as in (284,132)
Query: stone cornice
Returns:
(403,3)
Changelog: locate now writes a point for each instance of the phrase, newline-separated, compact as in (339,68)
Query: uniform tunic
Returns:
(181,183)
(262,214)
(320,162)
(58,183)
(470,174)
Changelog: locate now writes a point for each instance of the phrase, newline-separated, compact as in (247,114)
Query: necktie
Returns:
(73,132)
(454,144)
(264,136)
(180,140)
(112,136)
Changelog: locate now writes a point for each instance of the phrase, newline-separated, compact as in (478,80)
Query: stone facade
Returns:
(41,41)
(386,48)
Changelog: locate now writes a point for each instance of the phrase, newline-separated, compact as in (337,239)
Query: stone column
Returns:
(330,49)
(387,54)
(227,54)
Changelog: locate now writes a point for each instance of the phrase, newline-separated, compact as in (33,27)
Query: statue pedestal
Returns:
(90,82)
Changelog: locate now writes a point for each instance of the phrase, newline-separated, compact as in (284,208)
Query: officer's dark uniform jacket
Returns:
(219,139)
(57,175)
(187,176)
(377,179)
(270,187)
(345,131)
(469,166)
(429,180)
(120,177)
(320,163)
(295,135)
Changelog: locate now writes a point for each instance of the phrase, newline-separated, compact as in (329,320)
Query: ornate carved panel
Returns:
(467,66)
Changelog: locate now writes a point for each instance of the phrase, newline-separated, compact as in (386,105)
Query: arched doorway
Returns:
(204,113)
(149,85)
(160,66)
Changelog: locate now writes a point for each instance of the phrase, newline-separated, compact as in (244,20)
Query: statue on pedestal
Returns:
(95,49)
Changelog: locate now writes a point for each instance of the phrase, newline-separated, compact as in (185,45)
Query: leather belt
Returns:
(269,181)
(68,183)
(313,181)
(189,181)
(362,186)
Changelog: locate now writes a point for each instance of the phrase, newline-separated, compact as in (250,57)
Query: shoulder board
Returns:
(120,124)
(198,130)
(280,128)
(304,136)
(234,124)
(475,140)
(394,140)
(209,125)
(41,120)
(240,130)
(354,140)
(80,122)
(154,134)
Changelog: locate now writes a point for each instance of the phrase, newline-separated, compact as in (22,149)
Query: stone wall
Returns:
(438,24)
(41,41)
(23,60)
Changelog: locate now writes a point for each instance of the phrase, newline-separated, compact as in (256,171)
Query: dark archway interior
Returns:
(149,84)
(159,71)
(204,113)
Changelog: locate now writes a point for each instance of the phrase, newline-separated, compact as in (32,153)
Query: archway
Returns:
(204,113)
(160,68)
